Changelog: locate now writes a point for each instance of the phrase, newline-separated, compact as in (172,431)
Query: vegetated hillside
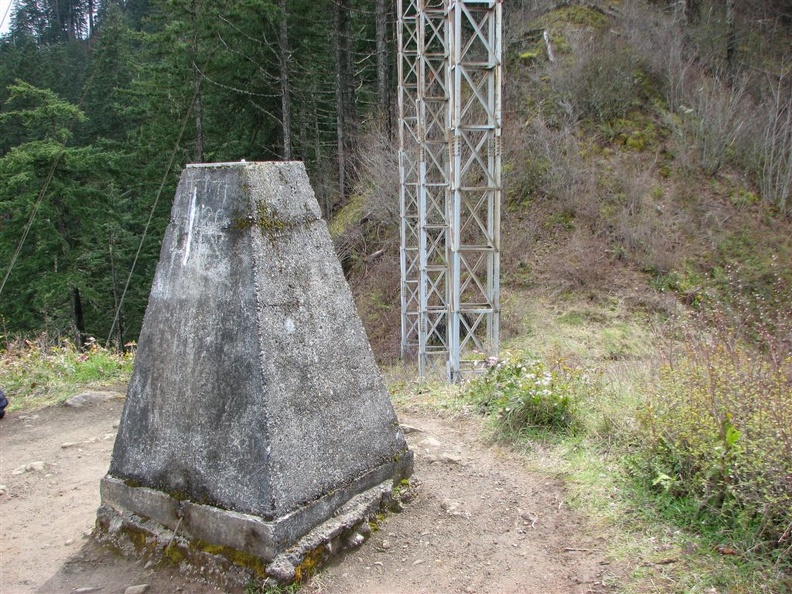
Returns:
(646,278)
(647,166)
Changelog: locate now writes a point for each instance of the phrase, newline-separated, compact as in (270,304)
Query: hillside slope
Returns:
(636,175)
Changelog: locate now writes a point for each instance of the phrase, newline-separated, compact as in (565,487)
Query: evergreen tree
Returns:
(56,204)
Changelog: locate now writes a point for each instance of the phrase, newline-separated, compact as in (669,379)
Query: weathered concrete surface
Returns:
(255,391)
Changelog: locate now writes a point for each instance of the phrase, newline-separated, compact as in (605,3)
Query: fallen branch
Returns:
(549,46)
(786,534)
(573,550)
(173,536)
(375,255)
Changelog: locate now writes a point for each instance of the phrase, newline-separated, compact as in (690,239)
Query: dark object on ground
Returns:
(3,404)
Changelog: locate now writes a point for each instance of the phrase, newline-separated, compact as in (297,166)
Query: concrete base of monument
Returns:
(232,548)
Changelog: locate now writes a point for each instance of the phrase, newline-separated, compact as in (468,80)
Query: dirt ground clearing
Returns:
(479,522)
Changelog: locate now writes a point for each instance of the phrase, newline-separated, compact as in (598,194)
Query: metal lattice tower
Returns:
(450,167)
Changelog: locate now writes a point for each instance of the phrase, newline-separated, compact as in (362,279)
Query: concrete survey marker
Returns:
(256,423)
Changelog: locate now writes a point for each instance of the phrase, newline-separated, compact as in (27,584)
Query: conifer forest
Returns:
(103,103)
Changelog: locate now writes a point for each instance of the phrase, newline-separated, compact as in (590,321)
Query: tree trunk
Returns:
(345,93)
(302,150)
(116,303)
(71,23)
(731,39)
(197,77)
(79,320)
(351,116)
(382,54)
(55,14)
(284,54)
(91,19)
(338,21)
(327,207)
(198,114)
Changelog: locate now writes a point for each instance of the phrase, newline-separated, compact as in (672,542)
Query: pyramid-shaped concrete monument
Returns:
(256,423)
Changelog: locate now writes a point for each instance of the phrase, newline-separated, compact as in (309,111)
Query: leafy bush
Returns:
(37,374)
(717,428)
(524,393)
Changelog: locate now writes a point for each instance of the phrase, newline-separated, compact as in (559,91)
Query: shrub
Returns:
(714,119)
(717,428)
(523,393)
(603,83)
(775,147)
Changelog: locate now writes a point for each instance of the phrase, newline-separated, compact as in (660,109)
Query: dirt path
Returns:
(479,522)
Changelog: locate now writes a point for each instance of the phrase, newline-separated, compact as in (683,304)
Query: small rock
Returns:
(139,589)
(355,540)
(86,398)
(450,458)
(3,490)
(69,542)
(87,589)
(116,425)
(36,466)
(115,525)
(386,544)
(410,429)
(449,505)
(452,508)
(418,561)
(69,444)
(408,496)
(281,569)
(149,565)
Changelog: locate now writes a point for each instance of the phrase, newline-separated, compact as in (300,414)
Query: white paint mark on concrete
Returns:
(190,227)
(290,327)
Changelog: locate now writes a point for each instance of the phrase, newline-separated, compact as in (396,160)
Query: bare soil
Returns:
(478,522)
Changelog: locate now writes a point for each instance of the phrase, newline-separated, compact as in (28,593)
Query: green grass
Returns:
(574,328)
(433,394)
(35,375)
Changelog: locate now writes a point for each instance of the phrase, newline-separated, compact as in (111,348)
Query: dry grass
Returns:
(44,372)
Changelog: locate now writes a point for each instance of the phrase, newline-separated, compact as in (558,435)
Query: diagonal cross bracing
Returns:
(450,170)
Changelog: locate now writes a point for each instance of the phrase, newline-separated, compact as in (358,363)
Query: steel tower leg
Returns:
(450,172)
